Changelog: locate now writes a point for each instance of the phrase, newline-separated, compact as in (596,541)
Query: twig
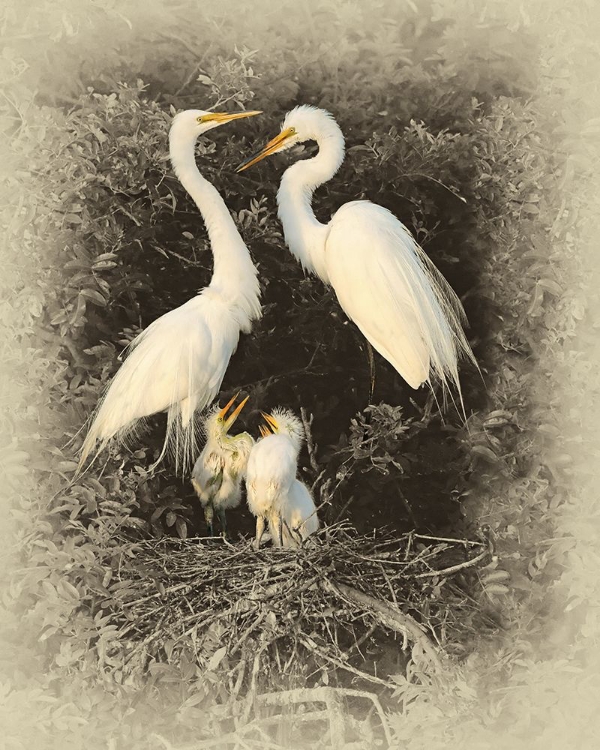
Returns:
(406,504)
(307,422)
(312,646)
(389,616)
(344,508)
(453,568)
(317,480)
(447,539)
(371,370)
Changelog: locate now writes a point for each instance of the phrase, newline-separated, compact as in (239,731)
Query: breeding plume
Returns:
(271,471)
(383,280)
(177,364)
(218,472)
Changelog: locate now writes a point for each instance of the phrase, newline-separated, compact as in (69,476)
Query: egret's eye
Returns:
(200,119)
(293,131)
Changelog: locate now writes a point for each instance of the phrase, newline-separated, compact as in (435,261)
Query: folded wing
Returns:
(394,294)
(176,365)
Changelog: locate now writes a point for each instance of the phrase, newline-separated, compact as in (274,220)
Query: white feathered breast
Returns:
(271,470)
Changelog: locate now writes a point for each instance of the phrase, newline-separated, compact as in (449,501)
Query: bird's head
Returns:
(283,422)
(303,123)
(194,122)
(218,423)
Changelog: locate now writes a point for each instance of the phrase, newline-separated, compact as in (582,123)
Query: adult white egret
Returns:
(271,471)
(177,364)
(383,280)
(218,472)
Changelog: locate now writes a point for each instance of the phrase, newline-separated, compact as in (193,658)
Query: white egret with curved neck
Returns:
(383,280)
(178,363)
(271,471)
(218,472)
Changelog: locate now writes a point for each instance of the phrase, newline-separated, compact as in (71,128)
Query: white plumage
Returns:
(298,514)
(383,280)
(218,472)
(401,293)
(177,364)
(271,471)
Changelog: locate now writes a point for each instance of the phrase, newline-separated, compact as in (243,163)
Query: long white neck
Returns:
(234,276)
(304,235)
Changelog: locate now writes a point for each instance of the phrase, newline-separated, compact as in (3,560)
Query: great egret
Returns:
(383,280)
(217,474)
(177,364)
(271,471)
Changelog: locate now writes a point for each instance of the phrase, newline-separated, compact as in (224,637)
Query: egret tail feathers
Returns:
(170,377)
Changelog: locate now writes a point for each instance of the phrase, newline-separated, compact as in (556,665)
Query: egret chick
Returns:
(298,515)
(218,472)
(271,471)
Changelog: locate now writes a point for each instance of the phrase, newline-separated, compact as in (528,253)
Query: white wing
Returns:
(238,453)
(176,365)
(390,289)
(207,474)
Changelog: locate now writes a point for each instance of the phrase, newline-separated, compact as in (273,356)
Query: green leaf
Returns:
(482,450)
(216,658)
(94,297)
(181,527)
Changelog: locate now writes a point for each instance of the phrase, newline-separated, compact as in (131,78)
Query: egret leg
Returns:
(295,537)
(209,513)
(222,521)
(260,530)
(371,369)
(280,530)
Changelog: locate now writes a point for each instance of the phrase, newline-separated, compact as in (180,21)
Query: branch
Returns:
(310,644)
(389,616)
(307,422)
(454,568)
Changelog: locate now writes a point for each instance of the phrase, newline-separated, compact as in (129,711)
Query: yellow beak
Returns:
(232,417)
(272,147)
(270,421)
(223,117)
(264,431)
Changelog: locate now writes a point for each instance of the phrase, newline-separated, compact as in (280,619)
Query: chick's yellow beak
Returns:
(272,147)
(273,424)
(264,431)
(222,117)
(227,406)
(232,417)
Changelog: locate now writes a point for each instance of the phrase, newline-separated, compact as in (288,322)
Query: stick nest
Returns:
(280,612)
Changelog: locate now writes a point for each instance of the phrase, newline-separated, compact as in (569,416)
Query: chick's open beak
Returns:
(264,431)
(227,406)
(222,117)
(273,424)
(232,417)
(272,147)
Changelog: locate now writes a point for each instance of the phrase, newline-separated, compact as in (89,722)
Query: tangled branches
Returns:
(283,612)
